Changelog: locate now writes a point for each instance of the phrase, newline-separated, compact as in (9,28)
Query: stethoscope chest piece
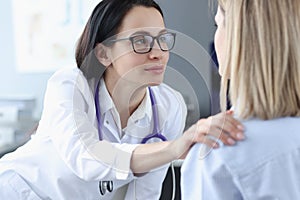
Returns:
(105,186)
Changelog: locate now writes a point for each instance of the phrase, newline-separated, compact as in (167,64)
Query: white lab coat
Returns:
(66,160)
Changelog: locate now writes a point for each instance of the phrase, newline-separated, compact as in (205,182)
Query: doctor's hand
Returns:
(221,126)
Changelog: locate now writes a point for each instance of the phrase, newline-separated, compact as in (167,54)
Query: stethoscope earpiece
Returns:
(105,186)
(110,186)
(101,188)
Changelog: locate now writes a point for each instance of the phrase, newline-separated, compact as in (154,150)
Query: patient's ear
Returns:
(102,54)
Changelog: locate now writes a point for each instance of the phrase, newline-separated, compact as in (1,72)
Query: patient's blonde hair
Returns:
(262,57)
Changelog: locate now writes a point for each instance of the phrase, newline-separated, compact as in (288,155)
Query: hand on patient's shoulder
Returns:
(222,126)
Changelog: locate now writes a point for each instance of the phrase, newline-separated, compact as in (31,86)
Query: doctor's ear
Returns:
(102,54)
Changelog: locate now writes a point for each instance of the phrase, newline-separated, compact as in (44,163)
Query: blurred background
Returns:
(38,37)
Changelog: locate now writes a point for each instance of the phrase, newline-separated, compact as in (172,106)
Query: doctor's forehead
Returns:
(143,18)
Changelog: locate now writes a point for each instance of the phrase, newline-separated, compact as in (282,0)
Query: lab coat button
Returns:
(107,122)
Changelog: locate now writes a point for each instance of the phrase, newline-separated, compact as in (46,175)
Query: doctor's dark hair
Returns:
(104,23)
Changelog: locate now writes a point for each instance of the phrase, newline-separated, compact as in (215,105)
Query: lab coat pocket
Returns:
(16,188)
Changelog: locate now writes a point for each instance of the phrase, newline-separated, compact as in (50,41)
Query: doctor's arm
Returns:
(221,126)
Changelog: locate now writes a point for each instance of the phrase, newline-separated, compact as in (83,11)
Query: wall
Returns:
(194,20)
(13,83)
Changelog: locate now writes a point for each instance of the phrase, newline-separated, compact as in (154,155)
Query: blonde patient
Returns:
(257,44)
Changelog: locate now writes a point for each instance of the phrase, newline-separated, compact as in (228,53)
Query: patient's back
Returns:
(266,165)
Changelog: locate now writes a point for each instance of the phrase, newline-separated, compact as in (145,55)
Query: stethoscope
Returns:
(156,133)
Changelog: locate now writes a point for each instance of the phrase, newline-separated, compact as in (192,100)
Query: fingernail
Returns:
(240,136)
(230,141)
(240,127)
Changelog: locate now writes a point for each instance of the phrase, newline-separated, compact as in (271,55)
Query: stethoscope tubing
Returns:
(156,133)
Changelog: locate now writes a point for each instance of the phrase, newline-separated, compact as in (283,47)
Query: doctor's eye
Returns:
(166,38)
(141,40)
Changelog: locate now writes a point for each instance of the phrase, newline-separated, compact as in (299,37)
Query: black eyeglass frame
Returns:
(131,39)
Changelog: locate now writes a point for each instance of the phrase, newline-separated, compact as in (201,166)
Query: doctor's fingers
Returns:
(209,134)
(228,124)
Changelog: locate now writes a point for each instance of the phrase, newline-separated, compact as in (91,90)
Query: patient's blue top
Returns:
(265,166)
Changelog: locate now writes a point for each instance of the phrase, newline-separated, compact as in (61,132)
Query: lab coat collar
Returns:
(106,102)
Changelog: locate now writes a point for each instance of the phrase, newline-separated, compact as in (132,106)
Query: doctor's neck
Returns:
(126,95)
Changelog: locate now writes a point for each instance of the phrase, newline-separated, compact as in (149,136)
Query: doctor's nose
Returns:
(156,52)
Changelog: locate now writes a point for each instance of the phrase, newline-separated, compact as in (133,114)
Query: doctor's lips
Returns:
(158,69)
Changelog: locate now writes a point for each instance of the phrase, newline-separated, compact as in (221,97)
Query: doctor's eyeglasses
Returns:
(143,43)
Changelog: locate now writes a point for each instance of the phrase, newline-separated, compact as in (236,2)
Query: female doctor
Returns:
(96,116)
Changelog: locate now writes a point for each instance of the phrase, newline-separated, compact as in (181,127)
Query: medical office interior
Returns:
(29,57)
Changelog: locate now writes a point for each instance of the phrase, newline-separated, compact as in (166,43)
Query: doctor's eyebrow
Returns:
(148,33)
